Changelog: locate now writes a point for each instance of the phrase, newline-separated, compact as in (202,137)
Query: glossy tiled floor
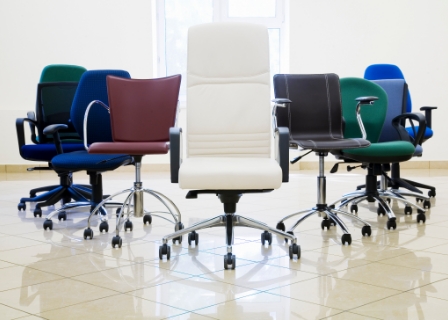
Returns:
(397,274)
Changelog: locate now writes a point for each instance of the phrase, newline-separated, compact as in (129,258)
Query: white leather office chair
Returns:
(229,132)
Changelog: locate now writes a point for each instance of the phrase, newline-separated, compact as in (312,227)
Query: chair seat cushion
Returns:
(220,173)
(428,132)
(382,152)
(82,160)
(132,148)
(46,151)
(326,144)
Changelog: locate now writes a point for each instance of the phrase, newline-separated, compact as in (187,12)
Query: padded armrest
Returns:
(428,115)
(175,153)
(420,118)
(282,151)
(32,116)
(53,129)
(21,131)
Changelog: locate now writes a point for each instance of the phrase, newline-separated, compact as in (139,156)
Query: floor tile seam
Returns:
(14,308)
(37,283)
(426,295)
(189,312)
(307,272)
(155,285)
(49,259)
(252,261)
(427,236)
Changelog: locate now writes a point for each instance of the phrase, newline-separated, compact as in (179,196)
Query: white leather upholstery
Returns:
(228,109)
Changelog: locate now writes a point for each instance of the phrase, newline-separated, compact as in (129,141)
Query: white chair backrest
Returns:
(228,91)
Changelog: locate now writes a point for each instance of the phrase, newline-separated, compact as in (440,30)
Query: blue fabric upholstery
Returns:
(82,160)
(428,132)
(46,151)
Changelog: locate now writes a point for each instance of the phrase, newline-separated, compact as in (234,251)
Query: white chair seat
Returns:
(226,173)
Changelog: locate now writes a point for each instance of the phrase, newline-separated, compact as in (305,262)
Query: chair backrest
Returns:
(387,71)
(92,86)
(228,91)
(142,110)
(61,72)
(315,110)
(373,116)
(396,90)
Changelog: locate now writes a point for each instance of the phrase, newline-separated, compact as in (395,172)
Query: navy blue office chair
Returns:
(92,87)
(390,71)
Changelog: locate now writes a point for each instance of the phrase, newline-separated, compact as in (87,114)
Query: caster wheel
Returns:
(37,212)
(391,224)
(116,241)
(432,193)
(66,200)
(178,226)
(104,226)
(118,212)
(332,206)
(128,225)
(325,224)
(88,233)
(62,216)
(407,210)
(147,219)
(427,204)
(266,236)
(388,200)
(164,250)
(421,218)
(354,208)
(48,224)
(420,211)
(21,206)
(178,239)
(229,261)
(418,200)
(280,226)
(380,211)
(346,238)
(193,236)
(294,249)
(366,231)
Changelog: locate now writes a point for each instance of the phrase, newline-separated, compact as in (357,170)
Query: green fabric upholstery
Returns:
(61,72)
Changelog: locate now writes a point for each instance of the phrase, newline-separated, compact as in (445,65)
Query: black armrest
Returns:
(428,115)
(21,131)
(175,153)
(53,129)
(420,118)
(283,151)
(31,115)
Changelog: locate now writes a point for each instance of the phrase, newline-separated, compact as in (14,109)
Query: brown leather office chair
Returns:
(142,111)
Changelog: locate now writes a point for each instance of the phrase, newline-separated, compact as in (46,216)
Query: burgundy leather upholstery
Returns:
(141,111)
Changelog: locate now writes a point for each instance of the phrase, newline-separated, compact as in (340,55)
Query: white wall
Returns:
(345,36)
(340,36)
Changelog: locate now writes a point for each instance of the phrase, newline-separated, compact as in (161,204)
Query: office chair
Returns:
(390,71)
(314,118)
(378,153)
(92,87)
(228,138)
(141,113)
(55,93)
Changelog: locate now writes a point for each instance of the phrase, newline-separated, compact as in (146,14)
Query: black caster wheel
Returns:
(88,233)
(229,261)
(178,226)
(21,206)
(116,241)
(266,236)
(164,250)
(128,225)
(147,219)
(354,208)
(280,226)
(408,210)
(332,206)
(366,231)
(118,212)
(66,199)
(294,249)
(380,211)
(193,236)
(289,232)
(432,193)
(391,224)
(48,224)
(346,238)
(418,200)
(37,212)
(388,200)
(62,216)
(421,218)
(178,239)
(427,204)
(325,224)
(104,226)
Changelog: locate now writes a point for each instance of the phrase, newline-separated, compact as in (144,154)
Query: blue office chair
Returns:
(390,71)
(55,92)
(92,87)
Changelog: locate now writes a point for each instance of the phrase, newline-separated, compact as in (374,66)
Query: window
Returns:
(174,17)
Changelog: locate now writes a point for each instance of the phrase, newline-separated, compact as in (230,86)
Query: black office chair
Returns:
(314,118)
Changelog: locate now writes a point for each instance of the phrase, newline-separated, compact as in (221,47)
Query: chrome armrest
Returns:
(362,101)
(86,115)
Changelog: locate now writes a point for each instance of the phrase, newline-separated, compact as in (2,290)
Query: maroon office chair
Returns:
(142,111)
